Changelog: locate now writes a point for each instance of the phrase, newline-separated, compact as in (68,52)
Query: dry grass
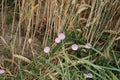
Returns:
(36,22)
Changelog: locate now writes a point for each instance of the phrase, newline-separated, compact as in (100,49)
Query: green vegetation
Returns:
(59,40)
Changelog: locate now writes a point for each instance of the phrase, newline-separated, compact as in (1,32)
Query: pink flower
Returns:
(61,36)
(2,71)
(47,49)
(74,47)
(88,45)
(57,40)
(89,75)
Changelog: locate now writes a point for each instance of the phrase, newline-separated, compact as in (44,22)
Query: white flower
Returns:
(89,75)
(88,45)
(74,47)
(2,71)
(57,40)
(47,49)
(61,36)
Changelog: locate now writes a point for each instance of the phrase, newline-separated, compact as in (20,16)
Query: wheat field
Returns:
(28,26)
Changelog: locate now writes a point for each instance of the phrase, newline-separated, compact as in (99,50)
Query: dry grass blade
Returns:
(27,26)
(83,7)
(118,38)
(22,58)
(4,42)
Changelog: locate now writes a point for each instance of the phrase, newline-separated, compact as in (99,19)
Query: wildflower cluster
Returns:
(59,38)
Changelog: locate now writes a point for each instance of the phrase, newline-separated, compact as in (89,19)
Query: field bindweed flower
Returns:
(74,47)
(61,36)
(89,75)
(2,71)
(57,40)
(88,45)
(47,49)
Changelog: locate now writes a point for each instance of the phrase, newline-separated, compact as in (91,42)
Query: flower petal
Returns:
(57,40)
(74,47)
(47,49)
(2,71)
(89,75)
(88,45)
(61,36)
